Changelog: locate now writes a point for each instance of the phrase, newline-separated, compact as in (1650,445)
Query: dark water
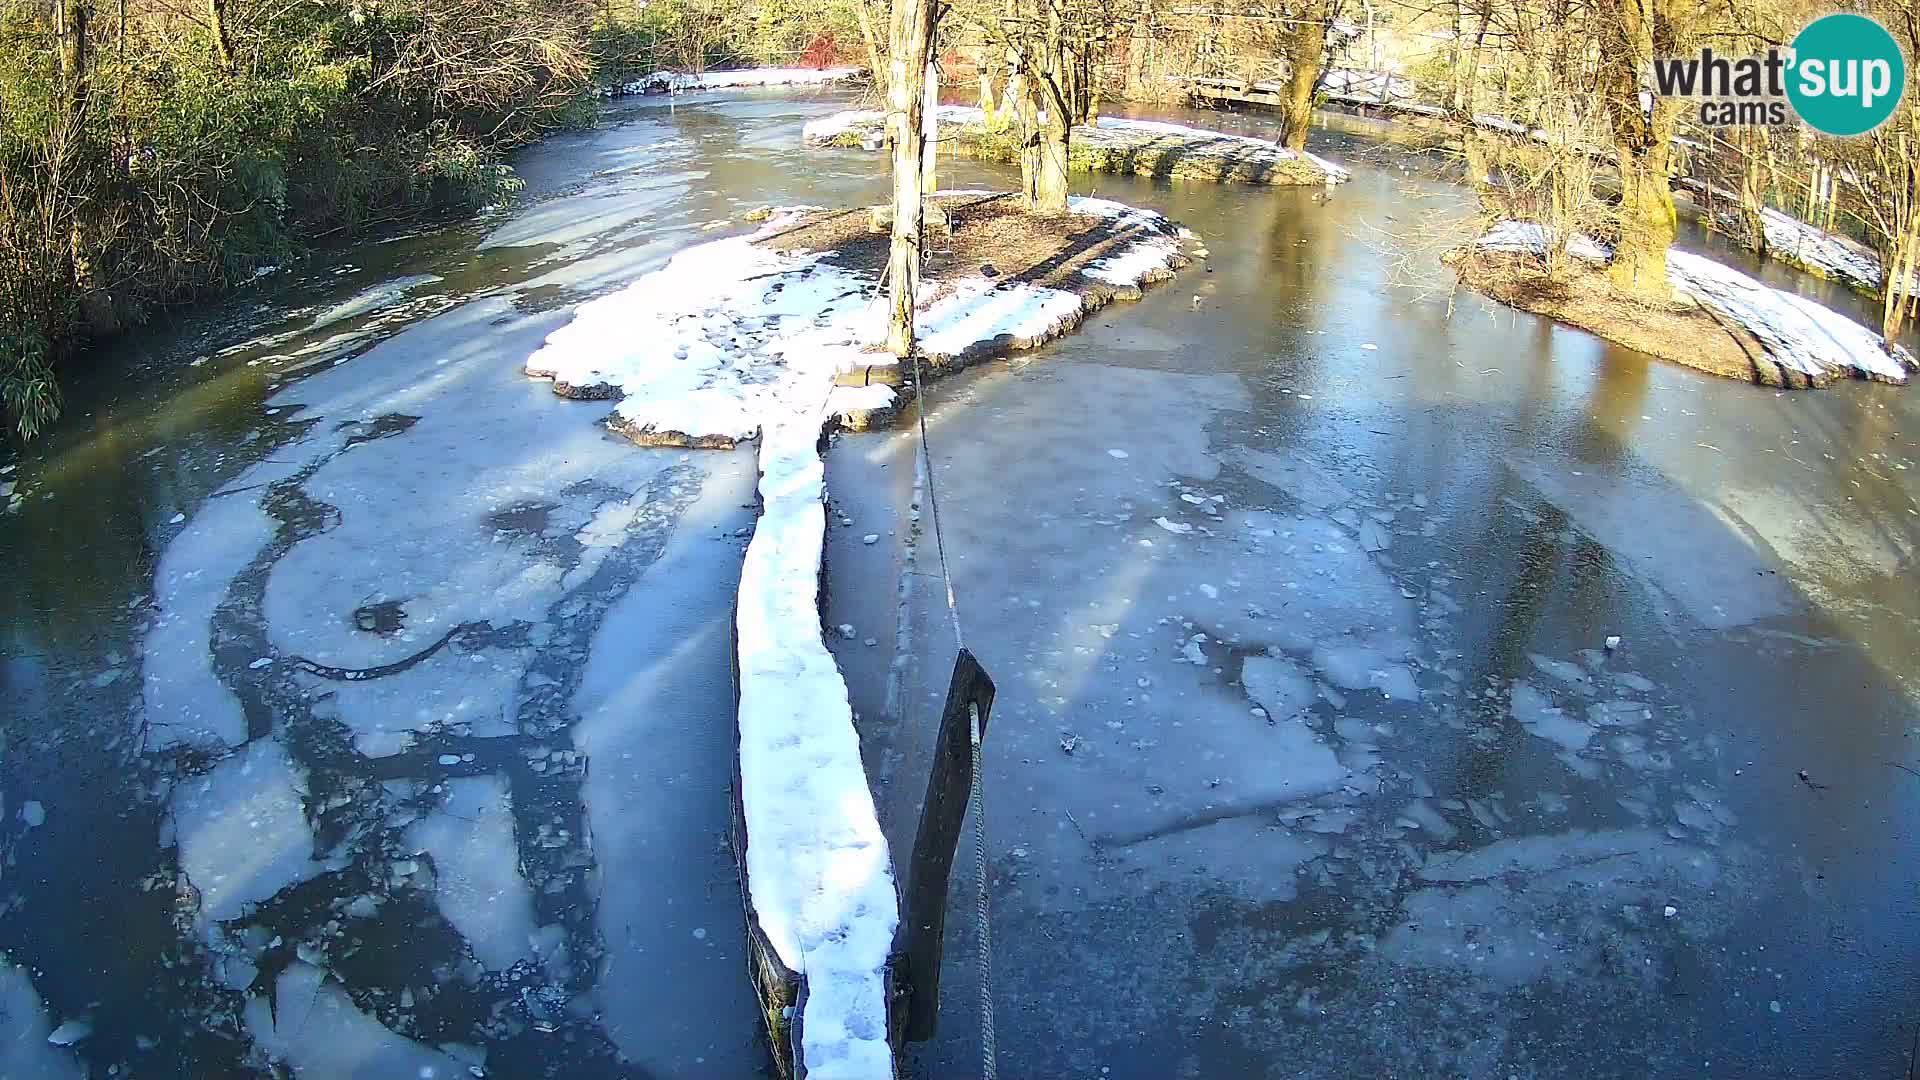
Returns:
(507,848)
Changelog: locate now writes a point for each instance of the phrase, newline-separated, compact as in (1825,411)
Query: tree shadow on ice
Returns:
(1132,789)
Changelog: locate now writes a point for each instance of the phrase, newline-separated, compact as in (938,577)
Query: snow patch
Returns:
(680,82)
(817,863)
(1106,132)
(1802,336)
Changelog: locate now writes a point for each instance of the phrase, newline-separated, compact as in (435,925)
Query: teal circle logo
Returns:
(1846,76)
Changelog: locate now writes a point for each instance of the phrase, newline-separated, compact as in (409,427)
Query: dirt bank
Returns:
(1681,332)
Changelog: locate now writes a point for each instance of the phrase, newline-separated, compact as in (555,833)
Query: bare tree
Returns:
(1305,42)
(1631,33)
(910,40)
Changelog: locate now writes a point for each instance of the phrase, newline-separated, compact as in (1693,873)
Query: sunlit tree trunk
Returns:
(911,47)
(870,38)
(930,129)
(1755,179)
(1899,294)
(1633,32)
(1050,186)
(1027,106)
(217,26)
(1139,46)
(987,69)
(1306,51)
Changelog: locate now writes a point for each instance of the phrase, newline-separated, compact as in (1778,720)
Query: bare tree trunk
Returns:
(911,46)
(70,27)
(876,55)
(1637,31)
(217,25)
(1306,51)
(1048,81)
(987,68)
(1898,292)
(1050,186)
(1754,182)
(930,129)
(1467,70)
(1139,43)
(1025,95)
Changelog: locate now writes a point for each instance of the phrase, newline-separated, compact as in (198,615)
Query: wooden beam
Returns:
(923,917)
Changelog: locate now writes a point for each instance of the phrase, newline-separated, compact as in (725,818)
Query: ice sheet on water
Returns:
(242,829)
(314,1027)
(477,882)
(1541,717)
(486,530)
(1642,526)
(1277,684)
(654,733)
(186,704)
(733,339)
(24,1029)
(1367,665)
(372,298)
(1300,477)
(1563,904)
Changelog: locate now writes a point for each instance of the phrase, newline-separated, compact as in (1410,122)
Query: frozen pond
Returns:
(1311,756)
(367,706)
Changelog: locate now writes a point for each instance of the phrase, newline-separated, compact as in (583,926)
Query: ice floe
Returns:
(477,881)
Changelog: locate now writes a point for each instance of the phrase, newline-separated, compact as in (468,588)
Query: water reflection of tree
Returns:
(1528,561)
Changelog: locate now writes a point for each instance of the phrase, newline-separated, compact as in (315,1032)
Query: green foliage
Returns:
(153,172)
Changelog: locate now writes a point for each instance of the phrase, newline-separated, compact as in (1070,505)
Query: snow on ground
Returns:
(1106,132)
(25,1050)
(682,82)
(480,891)
(817,863)
(313,1026)
(1797,333)
(717,339)
(1792,240)
(730,340)
(1799,243)
(1120,129)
